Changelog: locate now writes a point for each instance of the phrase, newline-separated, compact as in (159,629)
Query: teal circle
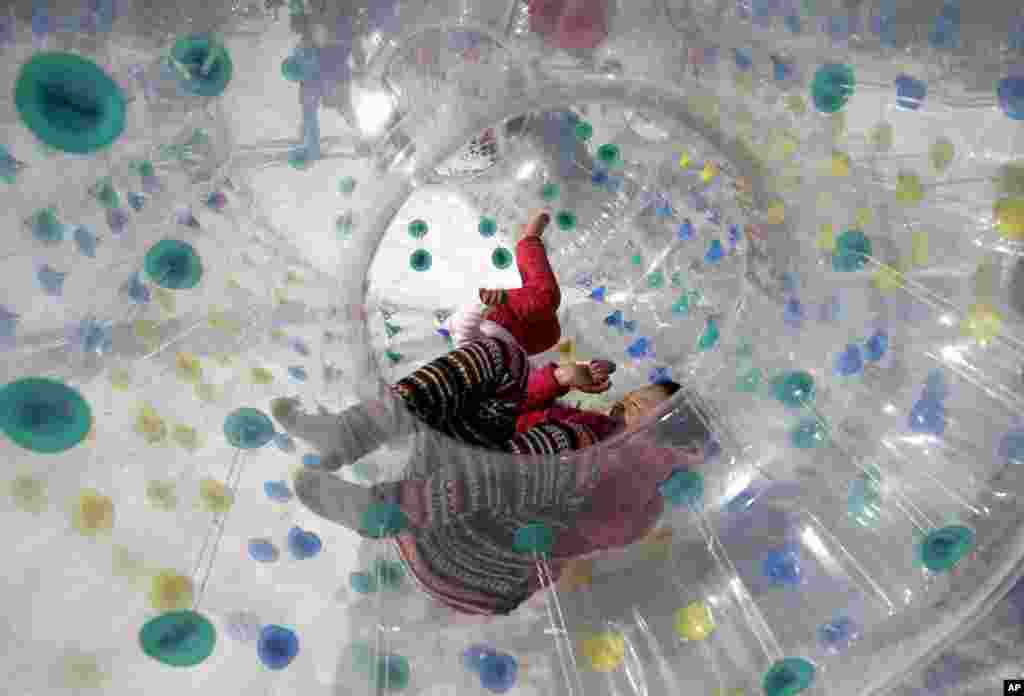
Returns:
(684,488)
(943,548)
(788,677)
(535,537)
(192,52)
(384,520)
(808,434)
(832,87)
(550,191)
(584,131)
(418,229)
(178,638)
(502,258)
(608,154)
(43,415)
(794,389)
(173,264)
(853,249)
(487,227)
(248,428)
(390,573)
(421,260)
(70,103)
(347,185)
(566,220)
(392,672)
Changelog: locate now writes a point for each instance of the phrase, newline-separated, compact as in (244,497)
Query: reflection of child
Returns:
(464,505)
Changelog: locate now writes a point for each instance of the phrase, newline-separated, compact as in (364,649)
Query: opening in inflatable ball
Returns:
(203,65)
(43,415)
(69,103)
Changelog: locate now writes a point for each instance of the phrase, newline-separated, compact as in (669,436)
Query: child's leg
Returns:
(434,395)
(540,296)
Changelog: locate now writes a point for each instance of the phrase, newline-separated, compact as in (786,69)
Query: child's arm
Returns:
(544,387)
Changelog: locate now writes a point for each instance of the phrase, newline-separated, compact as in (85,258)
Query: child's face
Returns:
(641,402)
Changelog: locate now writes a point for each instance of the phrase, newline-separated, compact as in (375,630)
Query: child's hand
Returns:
(592,377)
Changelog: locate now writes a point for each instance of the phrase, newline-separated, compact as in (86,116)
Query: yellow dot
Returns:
(170,591)
(1008,214)
(887,279)
(164,298)
(215,496)
(280,295)
(233,283)
(207,392)
(941,154)
(162,495)
(796,104)
(776,212)
(865,216)
(293,277)
(261,375)
(81,671)
(93,514)
(147,329)
(605,651)
(1011,179)
(189,367)
(919,249)
(150,425)
(840,164)
(709,172)
(684,159)
(837,125)
(825,199)
(745,83)
(121,379)
(827,237)
(29,494)
(983,323)
(909,189)
(882,137)
(694,621)
(730,692)
(222,322)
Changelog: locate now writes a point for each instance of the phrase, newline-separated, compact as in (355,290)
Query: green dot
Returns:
(608,154)
(535,537)
(584,131)
(390,573)
(392,672)
(852,251)
(488,227)
(749,381)
(501,258)
(105,193)
(421,260)
(292,69)
(636,259)
(418,229)
(550,192)
(174,265)
(709,339)
(808,434)
(43,415)
(943,548)
(345,225)
(384,520)
(393,357)
(178,639)
(69,103)
(566,220)
(347,185)
(788,677)
(656,280)
(299,159)
(206,65)
(832,87)
(794,389)
(248,428)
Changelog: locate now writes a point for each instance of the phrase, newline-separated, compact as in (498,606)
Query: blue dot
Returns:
(474,654)
(850,362)
(303,544)
(599,178)
(782,566)
(498,672)
(945,32)
(86,241)
(614,319)
(1011,97)
(715,252)
(137,290)
(928,416)
(46,228)
(837,635)
(299,346)
(808,434)
(277,647)
(639,348)
(629,326)
(598,294)
(136,200)
(793,24)
(686,231)
(782,70)
(1011,447)
(93,336)
(51,281)
(311,459)
(277,491)
(793,313)
(263,551)
(744,59)
(297,373)
(876,346)
(910,92)
(659,375)
(936,387)
(284,442)
(362,582)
